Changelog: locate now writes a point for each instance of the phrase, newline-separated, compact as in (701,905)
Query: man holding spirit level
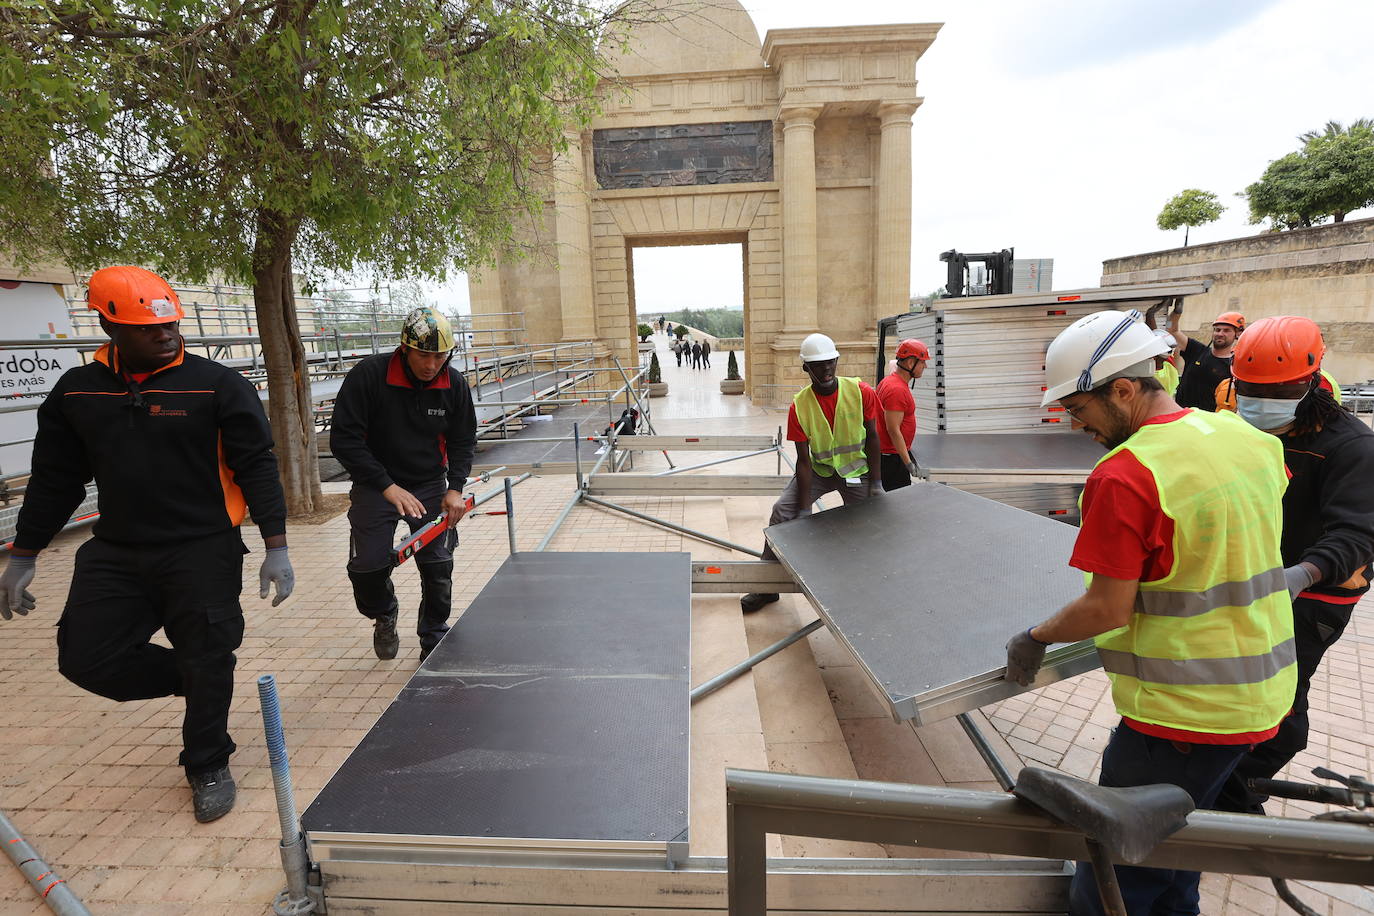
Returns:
(405,430)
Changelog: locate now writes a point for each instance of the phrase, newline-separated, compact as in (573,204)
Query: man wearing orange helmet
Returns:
(1328,513)
(898,429)
(179,447)
(1205,367)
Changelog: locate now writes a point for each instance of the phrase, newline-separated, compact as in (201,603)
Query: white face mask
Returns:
(1268,414)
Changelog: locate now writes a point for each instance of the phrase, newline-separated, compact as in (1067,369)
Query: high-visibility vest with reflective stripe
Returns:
(1210,646)
(841,450)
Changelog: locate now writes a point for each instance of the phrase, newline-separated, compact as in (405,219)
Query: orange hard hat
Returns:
(1234,319)
(132,295)
(912,347)
(1288,348)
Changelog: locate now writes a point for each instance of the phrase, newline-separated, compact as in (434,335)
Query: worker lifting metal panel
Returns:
(923,585)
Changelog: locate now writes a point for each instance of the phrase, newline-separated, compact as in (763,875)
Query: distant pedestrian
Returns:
(696,356)
(677,351)
(706,353)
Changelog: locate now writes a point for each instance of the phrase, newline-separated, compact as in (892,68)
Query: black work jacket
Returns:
(1328,508)
(175,457)
(389,429)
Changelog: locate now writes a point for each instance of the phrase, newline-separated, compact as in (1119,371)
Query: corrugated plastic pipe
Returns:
(296,899)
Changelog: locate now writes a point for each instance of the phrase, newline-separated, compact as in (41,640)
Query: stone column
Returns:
(892,248)
(799,219)
(488,302)
(572,222)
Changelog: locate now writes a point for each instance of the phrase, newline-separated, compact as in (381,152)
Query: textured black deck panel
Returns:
(926,584)
(1056,453)
(556,708)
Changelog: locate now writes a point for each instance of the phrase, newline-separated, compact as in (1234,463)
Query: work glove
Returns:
(276,567)
(1297,578)
(916,471)
(1024,656)
(14,587)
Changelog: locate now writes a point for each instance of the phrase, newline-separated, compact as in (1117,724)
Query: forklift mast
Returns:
(999,269)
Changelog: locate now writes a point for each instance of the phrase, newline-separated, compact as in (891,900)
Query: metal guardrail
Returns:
(759,803)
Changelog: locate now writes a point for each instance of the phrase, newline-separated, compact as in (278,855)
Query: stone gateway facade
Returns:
(797,147)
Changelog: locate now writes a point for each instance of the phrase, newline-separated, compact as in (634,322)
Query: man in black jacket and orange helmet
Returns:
(1328,513)
(178,446)
(405,430)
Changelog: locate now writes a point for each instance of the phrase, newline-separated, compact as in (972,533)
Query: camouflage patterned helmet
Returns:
(428,330)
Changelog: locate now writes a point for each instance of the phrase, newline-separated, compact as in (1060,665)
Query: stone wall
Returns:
(1325,273)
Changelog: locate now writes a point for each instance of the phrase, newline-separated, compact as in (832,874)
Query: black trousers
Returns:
(1316,627)
(895,474)
(372,523)
(122,594)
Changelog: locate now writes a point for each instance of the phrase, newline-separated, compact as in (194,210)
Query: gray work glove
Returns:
(1024,655)
(15,597)
(916,471)
(276,567)
(1298,579)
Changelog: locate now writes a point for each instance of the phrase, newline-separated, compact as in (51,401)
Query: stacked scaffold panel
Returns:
(987,372)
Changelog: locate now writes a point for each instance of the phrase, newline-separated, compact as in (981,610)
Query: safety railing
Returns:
(940,817)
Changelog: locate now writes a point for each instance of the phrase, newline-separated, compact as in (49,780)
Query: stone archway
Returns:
(799,146)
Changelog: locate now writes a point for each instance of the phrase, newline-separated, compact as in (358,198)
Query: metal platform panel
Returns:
(551,721)
(1007,453)
(925,585)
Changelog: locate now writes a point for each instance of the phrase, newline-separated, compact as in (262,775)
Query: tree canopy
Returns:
(1189,208)
(256,140)
(1331,175)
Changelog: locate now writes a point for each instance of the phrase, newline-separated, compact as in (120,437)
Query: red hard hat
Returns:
(912,347)
(132,295)
(1234,319)
(1273,351)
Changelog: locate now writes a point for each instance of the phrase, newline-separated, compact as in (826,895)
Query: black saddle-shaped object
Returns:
(1128,822)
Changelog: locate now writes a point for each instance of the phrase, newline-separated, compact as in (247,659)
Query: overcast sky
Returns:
(1061,127)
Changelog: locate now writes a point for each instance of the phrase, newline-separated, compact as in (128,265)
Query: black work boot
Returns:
(755,600)
(212,793)
(436,600)
(376,599)
(385,642)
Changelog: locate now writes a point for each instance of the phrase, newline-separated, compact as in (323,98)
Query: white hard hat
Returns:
(1098,348)
(817,348)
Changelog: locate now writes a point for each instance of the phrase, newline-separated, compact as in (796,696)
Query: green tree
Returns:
(644,331)
(1330,176)
(732,368)
(251,140)
(655,373)
(1189,208)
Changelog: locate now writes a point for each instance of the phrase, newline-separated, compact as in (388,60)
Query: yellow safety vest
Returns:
(1168,377)
(1335,385)
(841,450)
(1210,646)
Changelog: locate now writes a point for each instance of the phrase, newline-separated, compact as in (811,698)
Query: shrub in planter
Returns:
(644,331)
(732,383)
(657,387)
(680,331)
